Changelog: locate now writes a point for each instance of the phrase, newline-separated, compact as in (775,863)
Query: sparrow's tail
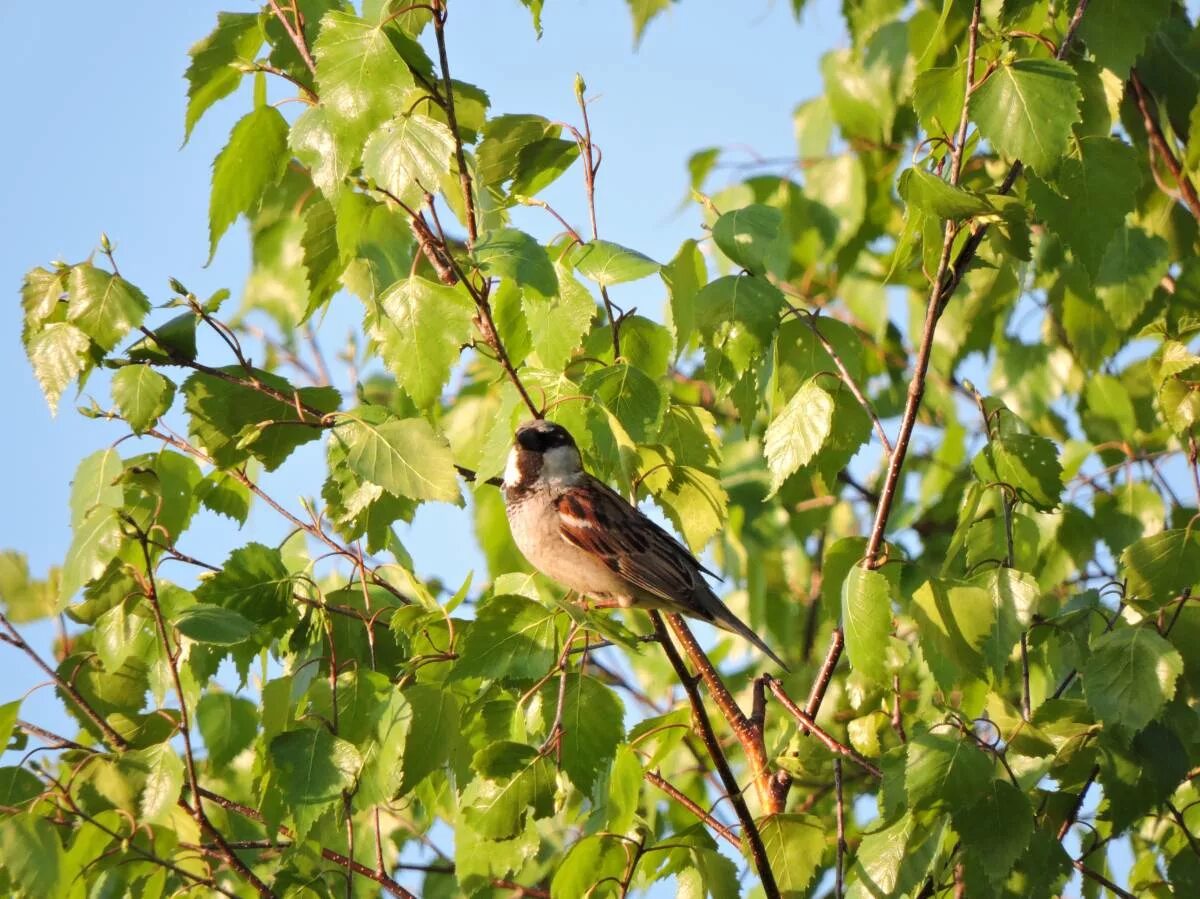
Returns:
(718,613)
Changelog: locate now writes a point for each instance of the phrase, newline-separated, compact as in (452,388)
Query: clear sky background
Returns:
(95,121)
(96,112)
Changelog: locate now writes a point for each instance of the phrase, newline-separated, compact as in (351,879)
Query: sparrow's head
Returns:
(541,450)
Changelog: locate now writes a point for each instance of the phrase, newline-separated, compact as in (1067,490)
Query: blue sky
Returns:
(97,148)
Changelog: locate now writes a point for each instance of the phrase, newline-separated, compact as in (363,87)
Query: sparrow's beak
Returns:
(528,438)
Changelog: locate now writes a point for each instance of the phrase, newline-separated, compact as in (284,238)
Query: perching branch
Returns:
(748,732)
(750,834)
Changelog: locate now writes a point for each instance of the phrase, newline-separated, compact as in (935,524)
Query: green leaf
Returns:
(404,456)
(632,396)
(174,340)
(893,860)
(1162,566)
(314,142)
(797,433)
(18,786)
(736,316)
(504,139)
(96,541)
(207,623)
(22,598)
(228,725)
(314,767)
(409,156)
(1129,675)
(511,638)
(945,772)
(996,829)
(932,195)
(361,78)
(223,494)
(753,238)
(1133,265)
(252,161)
(862,94)
(213,73)
(794,845)
(1115,31)
(95,484)
(1026,110)
(539,164)
(164,782)
(938,98)
(684,275)
(436,720)
(254,583)
(233,421)
(33,856)
(323,262)
(1026,463)
(509,253)
(514,782)
(58,354)
(608,263)
(643,11)
(142,395)
(593,726)
(954,622)
(421,327)
(1104,180)
(593,867)
(103,306)
(558,323)
(867,620)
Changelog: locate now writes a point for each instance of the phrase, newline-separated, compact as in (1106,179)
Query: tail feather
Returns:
(718,613)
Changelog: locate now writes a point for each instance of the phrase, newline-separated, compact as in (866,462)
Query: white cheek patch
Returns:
(512,472)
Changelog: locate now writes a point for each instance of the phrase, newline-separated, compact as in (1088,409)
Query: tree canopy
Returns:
(925,395)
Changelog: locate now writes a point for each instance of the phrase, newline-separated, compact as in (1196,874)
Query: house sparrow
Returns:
(582,534)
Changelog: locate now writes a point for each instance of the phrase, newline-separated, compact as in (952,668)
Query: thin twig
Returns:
(806,721)
(1073,814)
(245,811)
(1158,142)
(811,321)
(464,176)
(717,827)
(114,739)
(841,829)
(1091,874)
(296,33)
(150,591)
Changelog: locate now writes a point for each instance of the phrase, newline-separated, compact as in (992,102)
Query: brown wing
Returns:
(597,520)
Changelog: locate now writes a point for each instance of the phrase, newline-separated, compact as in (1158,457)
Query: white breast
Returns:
(535,528)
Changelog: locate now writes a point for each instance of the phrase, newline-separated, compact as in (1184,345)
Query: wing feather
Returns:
(599,521)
